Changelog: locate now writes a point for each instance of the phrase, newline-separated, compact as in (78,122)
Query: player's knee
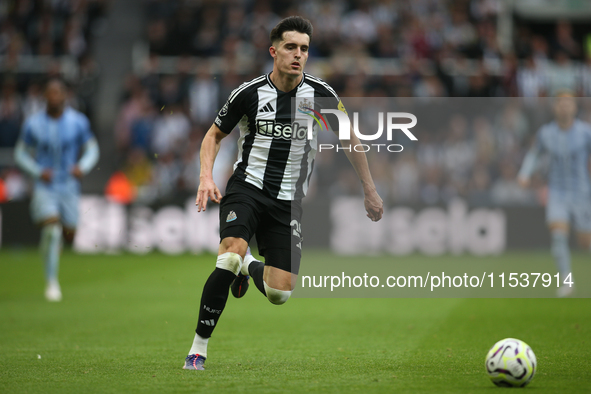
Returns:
(275,296)
(233,245)
(230,262)
(53,229)
(50,221)
(69,234)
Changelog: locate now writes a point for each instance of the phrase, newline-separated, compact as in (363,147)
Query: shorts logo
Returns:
(231,217)
(297,232)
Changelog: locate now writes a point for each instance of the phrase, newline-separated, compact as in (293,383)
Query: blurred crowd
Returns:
(41,39)
(468,148)
(198,51)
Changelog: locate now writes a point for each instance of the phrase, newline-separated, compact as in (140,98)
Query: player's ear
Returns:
(273,51)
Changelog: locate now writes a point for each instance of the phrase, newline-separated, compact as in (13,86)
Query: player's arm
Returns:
(24,159)
(373,202)
(209,151)
(226,120)
(89,158)
(23,156)
(529,162)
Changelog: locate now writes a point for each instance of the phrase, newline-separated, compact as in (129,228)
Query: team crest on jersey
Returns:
(231,217)
(224,110)
(304,105)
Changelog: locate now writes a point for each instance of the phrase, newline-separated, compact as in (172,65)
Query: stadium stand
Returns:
(193,53)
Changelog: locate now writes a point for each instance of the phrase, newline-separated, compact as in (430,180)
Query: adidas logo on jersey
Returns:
(231,217)
(267,108)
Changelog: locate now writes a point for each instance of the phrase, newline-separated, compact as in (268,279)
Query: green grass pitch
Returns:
(127,322)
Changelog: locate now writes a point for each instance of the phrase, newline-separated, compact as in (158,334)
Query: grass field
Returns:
(126,324)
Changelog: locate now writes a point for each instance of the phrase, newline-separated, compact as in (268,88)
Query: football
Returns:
(511,363)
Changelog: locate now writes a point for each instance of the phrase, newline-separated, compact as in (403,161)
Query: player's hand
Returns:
(523,182)
(373,205)
(77,172)
(46,175)
(207,190)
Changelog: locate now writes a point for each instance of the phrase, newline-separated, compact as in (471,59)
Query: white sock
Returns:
(51,239)
(247,260)
(199,346)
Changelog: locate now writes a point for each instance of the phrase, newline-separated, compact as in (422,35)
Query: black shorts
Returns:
(246,211)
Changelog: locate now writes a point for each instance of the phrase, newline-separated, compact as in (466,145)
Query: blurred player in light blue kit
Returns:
(57,149)
(567,141)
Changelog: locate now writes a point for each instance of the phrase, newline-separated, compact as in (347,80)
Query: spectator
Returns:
(564,41)
(506,190)
(142,125)
(203,96)
(531,80)
(166,175)
(406,177)
(130,111)
(479,194)
(562,75)
(34,100)
(138,170)
(10,114)
(170,131)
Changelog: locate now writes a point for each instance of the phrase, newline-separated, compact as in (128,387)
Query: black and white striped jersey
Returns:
(274,153)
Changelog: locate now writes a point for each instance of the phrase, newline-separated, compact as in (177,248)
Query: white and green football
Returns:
(511,363)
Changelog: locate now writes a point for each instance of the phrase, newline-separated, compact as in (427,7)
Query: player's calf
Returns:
(561,252)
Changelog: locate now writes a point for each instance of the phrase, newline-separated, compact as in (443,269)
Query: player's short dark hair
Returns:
(291,23)
(58,80)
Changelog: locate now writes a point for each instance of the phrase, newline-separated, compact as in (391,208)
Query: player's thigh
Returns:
(557,214)
(239,218)
(44,206)
(279,236)
(281,269)
(69,206)
(233,245)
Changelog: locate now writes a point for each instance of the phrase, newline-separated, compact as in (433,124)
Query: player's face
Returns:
(55,95)
(291,53)
(565,108)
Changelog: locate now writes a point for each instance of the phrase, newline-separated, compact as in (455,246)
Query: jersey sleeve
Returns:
(23,155)
(531,158)
(27,135)
(331,101)
(232,111)
(588,135)
(84,132)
